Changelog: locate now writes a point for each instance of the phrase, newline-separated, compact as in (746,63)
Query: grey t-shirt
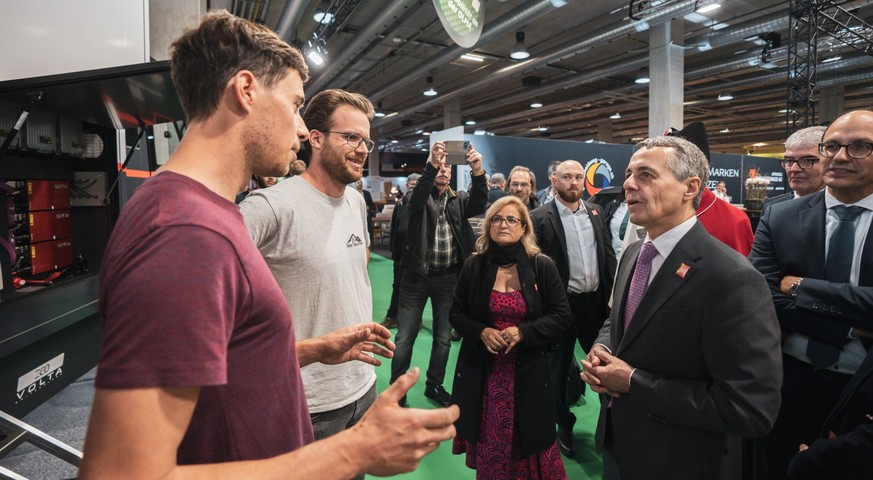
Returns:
(316,247)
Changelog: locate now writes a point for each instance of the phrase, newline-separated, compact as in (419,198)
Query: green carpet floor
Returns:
(441,464)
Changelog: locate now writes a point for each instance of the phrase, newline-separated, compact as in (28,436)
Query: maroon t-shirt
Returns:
(186,301)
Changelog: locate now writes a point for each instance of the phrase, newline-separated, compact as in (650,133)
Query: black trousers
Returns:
(807,399)
(588,316)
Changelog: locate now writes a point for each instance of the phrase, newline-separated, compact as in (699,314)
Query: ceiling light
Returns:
(419,131)
(615,116)
(725,130)
(315,58)
(322,17)
(759,144)
(472,57)
(536,104)
(470,121)
(379,112)
(832,59)
(708,8)
(642,79)
(543,129)
(394,140)
(725,96)
(518,51)
(479,132)
(426,134)
(429,91)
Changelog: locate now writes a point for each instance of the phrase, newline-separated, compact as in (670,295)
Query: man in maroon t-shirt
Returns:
(199,369)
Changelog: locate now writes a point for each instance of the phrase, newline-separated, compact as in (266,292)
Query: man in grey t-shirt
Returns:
(312,231)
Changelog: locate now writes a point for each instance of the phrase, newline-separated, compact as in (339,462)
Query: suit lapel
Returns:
(811,222)
(865,276)
(555,219)
(677,269)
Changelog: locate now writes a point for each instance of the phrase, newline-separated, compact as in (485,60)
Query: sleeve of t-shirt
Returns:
(170,309)
(260,220)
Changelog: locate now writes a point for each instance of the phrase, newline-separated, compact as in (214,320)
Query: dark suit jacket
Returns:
(553,242)
(705,344)
(790,241)
(547,317)
(849,455)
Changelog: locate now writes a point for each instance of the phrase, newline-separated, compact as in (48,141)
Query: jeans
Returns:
(325,424)
(414,292)
(395,290)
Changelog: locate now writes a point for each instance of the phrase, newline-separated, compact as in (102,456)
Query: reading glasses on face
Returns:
(511,221)
(853,150)
(354,140)
(804,162)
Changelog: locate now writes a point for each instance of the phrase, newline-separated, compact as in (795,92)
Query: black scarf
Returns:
(504,255)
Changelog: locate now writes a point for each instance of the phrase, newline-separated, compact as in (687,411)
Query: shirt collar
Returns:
(667,241)
(564,210)
(866,202)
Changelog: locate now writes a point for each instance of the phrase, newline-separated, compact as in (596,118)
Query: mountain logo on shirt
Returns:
(354,241)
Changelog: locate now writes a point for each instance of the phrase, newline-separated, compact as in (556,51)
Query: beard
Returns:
(570,196)
(334,163)
(260,159)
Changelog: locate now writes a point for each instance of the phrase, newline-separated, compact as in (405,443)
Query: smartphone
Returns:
(456,152)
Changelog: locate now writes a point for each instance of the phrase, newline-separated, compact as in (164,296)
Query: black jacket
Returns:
(548,316)
(551,238)
(399,226)
(423,215)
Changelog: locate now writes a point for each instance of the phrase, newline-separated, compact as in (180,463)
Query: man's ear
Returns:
(316,139)
(692,188)
(244,88)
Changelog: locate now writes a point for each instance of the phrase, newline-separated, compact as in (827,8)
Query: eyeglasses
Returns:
(354,140)
(804,162)
(853,150)
(510,221)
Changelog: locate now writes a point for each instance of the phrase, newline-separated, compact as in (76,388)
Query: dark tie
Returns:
(639,282)
(838,268)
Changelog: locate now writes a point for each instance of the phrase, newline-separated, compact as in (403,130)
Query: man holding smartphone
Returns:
(437,242)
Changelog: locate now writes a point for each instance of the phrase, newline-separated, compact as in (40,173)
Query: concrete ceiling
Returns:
(586,55)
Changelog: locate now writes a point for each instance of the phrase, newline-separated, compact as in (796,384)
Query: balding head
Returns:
(847,161)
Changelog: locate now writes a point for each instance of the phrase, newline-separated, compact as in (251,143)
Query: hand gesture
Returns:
(356,342)
(512,336)
(474,159)
(493,340)
(398,438)
(437,154)
(606,373)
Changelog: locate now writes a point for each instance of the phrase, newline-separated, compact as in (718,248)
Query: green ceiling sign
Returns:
(462,19)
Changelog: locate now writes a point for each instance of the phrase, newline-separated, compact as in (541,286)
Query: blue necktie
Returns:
(838,268)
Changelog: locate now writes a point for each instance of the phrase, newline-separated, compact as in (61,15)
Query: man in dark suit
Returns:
(572,233)
(843,449)
(822,288)
(689,356)
(498,187)
(802,165)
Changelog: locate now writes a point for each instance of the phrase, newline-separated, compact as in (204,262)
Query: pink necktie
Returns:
(639,282)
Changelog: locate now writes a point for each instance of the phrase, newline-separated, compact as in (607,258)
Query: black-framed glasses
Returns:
(804,162)
(354,140)
(511,221)
(853,150)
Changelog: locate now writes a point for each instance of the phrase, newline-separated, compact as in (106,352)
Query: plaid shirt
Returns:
(444,253)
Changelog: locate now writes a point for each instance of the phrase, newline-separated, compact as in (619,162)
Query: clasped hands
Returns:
(497,340)
(606,373)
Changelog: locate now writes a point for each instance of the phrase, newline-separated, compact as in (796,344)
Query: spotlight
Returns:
(470,121)
(379,112)
(615,116)
(518,51)
(642,79)
(725,96)
(536,104)
(315,58)
(429,91)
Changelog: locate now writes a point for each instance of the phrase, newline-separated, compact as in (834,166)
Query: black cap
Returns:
(695,133)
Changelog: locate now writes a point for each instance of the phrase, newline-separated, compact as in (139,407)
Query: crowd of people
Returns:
(239,343)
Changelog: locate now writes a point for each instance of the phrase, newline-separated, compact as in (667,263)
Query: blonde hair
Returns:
(528,238)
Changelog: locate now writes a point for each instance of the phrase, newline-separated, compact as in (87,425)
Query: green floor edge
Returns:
(441,464)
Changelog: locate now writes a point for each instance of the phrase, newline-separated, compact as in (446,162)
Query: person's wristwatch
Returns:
(792,290)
